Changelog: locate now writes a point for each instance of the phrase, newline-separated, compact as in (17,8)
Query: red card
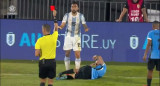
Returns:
(52,7)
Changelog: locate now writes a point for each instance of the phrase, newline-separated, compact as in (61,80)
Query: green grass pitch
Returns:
(25,73)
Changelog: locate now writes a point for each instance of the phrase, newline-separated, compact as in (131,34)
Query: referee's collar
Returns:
(47,34)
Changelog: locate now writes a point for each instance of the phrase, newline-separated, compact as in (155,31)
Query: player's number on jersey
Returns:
(79,45)
(135,19)
(73,23)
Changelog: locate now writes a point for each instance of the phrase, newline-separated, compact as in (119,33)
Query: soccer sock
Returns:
(50,85)
(71,71)
(69,77)
(149,82)
(77,63)
(42,84)
(67,62)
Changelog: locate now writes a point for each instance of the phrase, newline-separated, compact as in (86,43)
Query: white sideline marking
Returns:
(14,74)
(132,77)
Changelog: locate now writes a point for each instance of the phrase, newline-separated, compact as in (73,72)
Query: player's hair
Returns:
(155,23)
(47,27)
(74,2)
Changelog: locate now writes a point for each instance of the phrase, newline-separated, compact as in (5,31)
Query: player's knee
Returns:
(67,53)
(150,71)
(50,81)
(77,55)
(42,81)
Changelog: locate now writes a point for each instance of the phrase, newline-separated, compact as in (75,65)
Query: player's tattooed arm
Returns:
(85,27)
(62,25)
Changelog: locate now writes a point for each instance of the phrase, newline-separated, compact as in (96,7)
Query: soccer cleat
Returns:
(60,75)
(61,78)
(144,85)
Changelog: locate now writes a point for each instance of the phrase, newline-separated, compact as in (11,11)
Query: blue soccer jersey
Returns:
(98,71)
(154,35)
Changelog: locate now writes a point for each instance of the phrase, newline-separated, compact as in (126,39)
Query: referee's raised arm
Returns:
(55,21)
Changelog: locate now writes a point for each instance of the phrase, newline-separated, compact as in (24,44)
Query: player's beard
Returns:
(74,12)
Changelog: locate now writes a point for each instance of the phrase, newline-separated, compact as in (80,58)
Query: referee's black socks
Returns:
(50,85)
(42,84)
(149,82)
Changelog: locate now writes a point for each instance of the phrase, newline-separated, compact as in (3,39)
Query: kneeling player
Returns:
(92,71)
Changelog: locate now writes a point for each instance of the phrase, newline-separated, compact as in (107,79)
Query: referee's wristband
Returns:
(55,19)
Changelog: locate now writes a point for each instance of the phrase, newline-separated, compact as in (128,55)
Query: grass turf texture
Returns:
(25,73)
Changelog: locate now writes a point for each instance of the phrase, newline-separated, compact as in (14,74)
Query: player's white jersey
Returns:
(73,24)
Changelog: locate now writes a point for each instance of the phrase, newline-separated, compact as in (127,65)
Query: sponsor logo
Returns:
(86,41)
(134,12)
(134,41)
(12,10)
(10,38)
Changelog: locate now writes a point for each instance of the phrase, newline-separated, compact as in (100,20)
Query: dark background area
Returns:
(93,10)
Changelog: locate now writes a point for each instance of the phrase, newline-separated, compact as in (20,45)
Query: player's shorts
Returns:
(47,68)
(84,73)
(152,63)
(72,43)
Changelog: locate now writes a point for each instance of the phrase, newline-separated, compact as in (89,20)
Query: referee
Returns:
(45,48)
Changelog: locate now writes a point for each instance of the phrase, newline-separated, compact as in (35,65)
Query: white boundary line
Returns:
(132,77)
(15,74)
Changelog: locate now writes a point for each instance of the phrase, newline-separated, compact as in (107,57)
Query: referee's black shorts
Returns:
(47,68)
(154,63)
(84,72)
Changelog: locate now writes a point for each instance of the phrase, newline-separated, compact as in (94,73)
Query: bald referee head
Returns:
(46,29)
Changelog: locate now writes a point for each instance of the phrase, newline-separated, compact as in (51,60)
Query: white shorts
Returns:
(72,43)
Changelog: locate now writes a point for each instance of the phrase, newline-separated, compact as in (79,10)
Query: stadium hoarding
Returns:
(120,42)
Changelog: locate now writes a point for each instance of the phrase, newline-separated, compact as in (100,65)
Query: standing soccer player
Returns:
(73,21)
(154,44)
(136,11)
(45,48)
